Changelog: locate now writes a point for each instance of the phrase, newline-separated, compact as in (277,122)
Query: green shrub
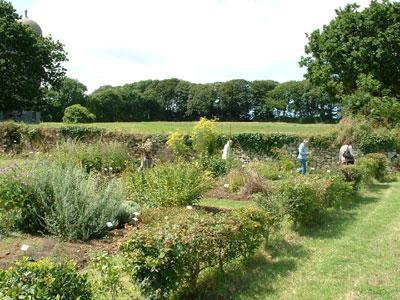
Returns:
(170,256)
(11,136)
(14,193)
(108,283)
(216,165)
(43,280)
(337,191)
(354,174)
(370,141)
(72,203)
(267,169)
(107,158)
(81,132)
(168,185)
(379,169)
(62,200)
(303,199)
(78,114)
(258,143)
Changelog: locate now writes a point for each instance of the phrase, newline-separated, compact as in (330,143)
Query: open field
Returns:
(224,127)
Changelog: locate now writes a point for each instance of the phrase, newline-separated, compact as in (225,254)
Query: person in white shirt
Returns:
(227,150)
(302,157)
(346,154)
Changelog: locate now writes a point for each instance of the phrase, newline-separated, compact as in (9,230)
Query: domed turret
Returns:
(32,24)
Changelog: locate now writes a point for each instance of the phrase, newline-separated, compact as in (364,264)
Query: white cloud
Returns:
(197,40)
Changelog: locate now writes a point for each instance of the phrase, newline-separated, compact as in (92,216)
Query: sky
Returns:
(123,41)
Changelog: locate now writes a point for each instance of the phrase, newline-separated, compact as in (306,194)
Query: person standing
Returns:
(346,155)
(227,149)
(302,157)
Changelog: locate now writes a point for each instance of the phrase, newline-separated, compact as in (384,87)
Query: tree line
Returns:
(353,68)
(176,100)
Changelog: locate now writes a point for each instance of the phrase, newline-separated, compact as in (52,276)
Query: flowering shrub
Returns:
(168,185)
(170,256)
(177,142)
(43,280)
(204,137)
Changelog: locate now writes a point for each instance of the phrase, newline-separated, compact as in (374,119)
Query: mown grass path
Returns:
(355,254)
(359,259)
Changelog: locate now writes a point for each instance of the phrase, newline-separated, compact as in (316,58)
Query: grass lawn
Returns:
(224,127)
(355,254)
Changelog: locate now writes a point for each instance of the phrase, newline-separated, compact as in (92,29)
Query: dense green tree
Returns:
(57,99)
(235,99)
(373,102)
(356,42)
(27,62)
(201,101)
(300,100)
(107,104)
(259,91)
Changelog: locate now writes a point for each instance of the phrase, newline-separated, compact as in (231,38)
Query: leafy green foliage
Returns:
(107,158)
(58,98)
(370,141)
(300,100)
(170,256)
(26,61)
(375,165)
(257,143)
(356,42)
(168,185)
(216,165)
(13,191)
(354,174)
(43,280)
(110,268)
(78,114)
(373,102)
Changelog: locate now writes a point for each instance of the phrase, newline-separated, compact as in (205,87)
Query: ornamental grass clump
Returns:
(62,200)
(169,257)
(73,204)
(166,185)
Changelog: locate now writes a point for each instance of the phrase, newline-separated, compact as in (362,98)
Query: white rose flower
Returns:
(24,247)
